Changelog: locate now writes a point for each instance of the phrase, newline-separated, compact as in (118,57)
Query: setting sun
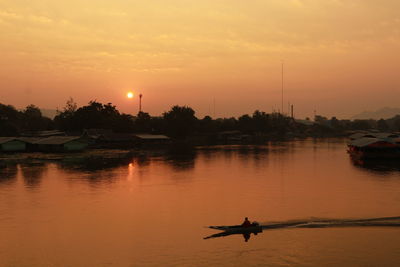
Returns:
(129,95)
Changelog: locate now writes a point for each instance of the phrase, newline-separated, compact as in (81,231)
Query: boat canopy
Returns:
(372,142)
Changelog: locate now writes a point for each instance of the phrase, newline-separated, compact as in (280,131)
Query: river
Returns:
(153,210)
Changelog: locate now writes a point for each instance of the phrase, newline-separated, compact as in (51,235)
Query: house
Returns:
(93,136)
(96,133)
(151,139)
(61,144)
(43,133)
(116,140)
(30,143)
(12,144)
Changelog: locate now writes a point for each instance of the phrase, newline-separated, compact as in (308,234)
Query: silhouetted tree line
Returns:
(94,115)
(179,122)
(388,125)
(14,122)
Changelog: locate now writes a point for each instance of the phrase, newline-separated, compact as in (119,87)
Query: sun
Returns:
(129,95)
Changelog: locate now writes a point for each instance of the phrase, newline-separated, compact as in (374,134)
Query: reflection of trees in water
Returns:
(90,175)
(380,167)
(92,164)
(310,143)
(181,149)
(181,156)
(255,153)
(187,160)
(284,147)
(8,173)
(182,162)
(101,177)
(142,161)
(32,173)
(95,170)
(207,155)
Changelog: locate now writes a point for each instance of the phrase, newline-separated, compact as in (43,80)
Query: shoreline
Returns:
(115,154)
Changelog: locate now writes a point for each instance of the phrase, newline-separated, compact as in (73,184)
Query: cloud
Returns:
(9,15)
(39,19)
(180,34)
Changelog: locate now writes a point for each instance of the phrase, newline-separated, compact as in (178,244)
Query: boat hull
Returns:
(374,155)
(238,229)
(235,230)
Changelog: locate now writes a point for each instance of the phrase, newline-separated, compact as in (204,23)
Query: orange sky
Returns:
(341,57)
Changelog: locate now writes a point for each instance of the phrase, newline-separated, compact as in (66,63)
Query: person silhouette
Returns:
(246,222)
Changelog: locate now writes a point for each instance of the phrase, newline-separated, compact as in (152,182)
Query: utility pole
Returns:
(214,108)
(282,88)
(292,111)
(140,103)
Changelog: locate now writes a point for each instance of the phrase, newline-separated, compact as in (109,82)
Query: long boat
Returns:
(235,229)
(238,228)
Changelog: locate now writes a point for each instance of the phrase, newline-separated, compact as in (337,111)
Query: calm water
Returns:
(152,212)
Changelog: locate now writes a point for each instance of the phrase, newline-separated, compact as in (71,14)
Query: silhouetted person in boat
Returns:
(246,222)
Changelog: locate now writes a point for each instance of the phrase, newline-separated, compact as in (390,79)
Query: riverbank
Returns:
(67,157)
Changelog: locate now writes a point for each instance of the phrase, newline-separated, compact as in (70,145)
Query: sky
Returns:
(221,57)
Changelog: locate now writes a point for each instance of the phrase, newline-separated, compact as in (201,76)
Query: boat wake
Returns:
(311,223)
(323,223)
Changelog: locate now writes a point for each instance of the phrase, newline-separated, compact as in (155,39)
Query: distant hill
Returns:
(383,113)
(49,113)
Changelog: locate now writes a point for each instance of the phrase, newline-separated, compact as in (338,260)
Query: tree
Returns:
(279,123)
(261,121)
(34,121)
(143,122)
(207,125)
(180,121)
(396,123)
(245,124)
(382,125)
(335,124)
(32,111)
(70,106)
(157,125)
(95,115)
(361,125)
(63,119)
(227,124)
(10,120)
(320,119)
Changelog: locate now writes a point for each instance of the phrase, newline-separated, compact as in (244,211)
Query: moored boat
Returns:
(373,148)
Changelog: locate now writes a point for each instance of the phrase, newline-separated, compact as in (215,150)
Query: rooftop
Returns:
(57,140)
(366,141)
(152,136)
(4,140)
